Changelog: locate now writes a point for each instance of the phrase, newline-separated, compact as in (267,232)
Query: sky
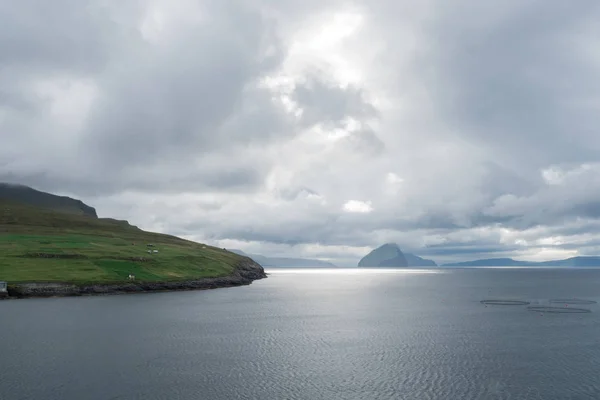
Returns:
(321,129)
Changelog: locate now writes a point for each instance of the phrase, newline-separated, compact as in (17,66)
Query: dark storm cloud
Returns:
(589,209)
(178,96)
(182,179)
(511,77)
(51,36)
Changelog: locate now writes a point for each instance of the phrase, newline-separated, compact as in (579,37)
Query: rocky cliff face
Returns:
(250,270)
(245,273)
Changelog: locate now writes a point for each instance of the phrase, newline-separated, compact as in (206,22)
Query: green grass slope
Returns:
(43,245)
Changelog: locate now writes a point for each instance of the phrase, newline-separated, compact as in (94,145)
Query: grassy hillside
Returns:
(43,245)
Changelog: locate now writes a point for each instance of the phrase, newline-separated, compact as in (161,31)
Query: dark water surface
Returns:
(313,335)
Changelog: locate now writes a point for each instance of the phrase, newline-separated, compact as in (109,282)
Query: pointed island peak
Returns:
(390,255)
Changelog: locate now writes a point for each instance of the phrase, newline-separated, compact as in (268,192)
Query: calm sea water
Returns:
(313,334)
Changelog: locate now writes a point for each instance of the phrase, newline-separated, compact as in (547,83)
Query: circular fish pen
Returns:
(500,302)
(559,310)
(572,301)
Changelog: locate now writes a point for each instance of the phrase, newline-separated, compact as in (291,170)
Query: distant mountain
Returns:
(583,261)
(284,261)
(25,195)
(416,261)
(390,255)
(489,262)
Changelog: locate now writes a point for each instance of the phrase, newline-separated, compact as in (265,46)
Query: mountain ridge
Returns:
(390,255)
(29,196)
(578,261)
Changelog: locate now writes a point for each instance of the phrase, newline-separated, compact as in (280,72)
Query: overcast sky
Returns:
(459,130)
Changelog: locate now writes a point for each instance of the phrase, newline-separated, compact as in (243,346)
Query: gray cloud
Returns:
(64,35)
(512,78)
(326,102)
(462,137)
(152,103)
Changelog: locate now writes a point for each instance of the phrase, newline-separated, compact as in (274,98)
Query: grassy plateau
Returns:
(42,245)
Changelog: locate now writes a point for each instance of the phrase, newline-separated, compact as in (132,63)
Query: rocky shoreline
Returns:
(245,273)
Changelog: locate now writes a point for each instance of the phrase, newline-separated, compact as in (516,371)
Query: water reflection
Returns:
(351,271)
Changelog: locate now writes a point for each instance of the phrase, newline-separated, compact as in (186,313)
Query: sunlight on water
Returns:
(350,271)
(317,334)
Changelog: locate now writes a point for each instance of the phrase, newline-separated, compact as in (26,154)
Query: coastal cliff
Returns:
(50,250)
(246,271)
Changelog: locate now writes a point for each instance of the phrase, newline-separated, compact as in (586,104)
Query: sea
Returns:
(310,334)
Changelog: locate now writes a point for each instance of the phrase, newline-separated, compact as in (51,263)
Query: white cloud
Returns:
(393,179)
(357,206)
(553,176)
(546,253)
